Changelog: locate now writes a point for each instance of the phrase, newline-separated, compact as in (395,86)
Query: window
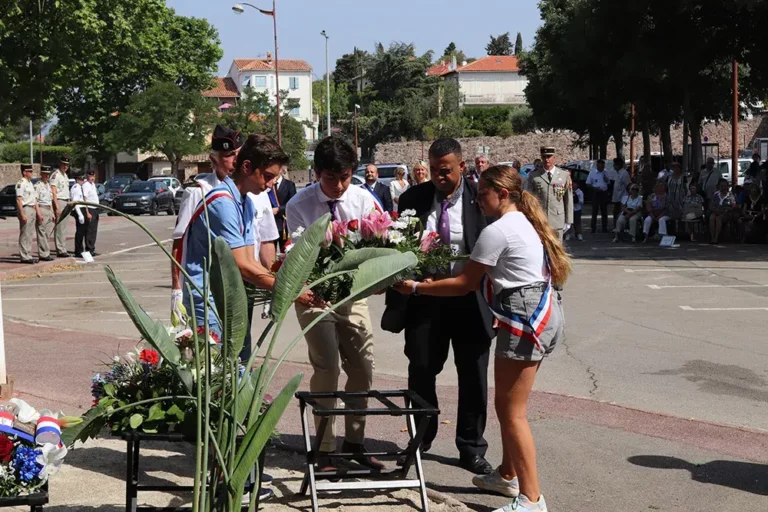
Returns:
(295,111)
(246,81)
(294,107)
(293,83)
(260,81)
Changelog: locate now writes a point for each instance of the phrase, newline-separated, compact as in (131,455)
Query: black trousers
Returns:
(92,229)
(433,324)
(80,231)
(600,202)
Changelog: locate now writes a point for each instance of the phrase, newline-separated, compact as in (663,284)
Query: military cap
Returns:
(226,139)
(64,160)
(26,167)
(90,172)
(79,176)
(45,168)
(547,150)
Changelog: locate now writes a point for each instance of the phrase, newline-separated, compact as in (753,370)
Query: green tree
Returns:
(519,44)
(351,69)
(167,119)
(499,45)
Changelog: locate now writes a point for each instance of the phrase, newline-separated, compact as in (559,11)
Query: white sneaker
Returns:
(579,238)
(494,482)
(523,504)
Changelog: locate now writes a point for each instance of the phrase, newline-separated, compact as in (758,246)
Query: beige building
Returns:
(494,80)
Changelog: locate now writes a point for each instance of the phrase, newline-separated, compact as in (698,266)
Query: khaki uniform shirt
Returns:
(44,193)
(26,191)
(61,182)
(554,194)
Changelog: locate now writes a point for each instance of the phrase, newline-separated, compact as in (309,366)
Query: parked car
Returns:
(386,172)
(173,183)
(358,181)
(725,168)
(145,197)
(179,194)
(115,186)
(524,170)
(8,201)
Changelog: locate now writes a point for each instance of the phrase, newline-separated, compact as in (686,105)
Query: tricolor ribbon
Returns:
(525,328)
(48,430)
(376,198)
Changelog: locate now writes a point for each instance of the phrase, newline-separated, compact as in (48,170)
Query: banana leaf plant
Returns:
(233,424)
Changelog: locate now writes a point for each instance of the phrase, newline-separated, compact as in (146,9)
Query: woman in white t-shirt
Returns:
(524,261)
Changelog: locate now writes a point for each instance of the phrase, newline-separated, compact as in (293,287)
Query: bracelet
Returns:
(414,288)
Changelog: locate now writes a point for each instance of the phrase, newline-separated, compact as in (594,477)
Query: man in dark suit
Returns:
(380,192)
(279,195)
(432,324)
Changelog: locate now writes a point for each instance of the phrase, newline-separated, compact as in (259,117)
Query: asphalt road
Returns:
(678,333)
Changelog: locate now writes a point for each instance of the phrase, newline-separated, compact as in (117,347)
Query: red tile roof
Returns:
(491,64)
(269,65)
(225,88)
(439,69)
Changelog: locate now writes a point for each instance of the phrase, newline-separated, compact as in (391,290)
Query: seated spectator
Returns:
(722,209)
(693,209)
(631,213)
(740,193)
(754,215)
(656,205)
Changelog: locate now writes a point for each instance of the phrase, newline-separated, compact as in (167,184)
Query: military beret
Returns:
(226,139)
(45,168)
(26,167)
(547,150)
(64,160)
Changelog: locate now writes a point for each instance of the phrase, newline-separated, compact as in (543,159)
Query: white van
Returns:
(725,169)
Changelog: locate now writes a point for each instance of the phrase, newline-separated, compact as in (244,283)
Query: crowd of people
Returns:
(519,261)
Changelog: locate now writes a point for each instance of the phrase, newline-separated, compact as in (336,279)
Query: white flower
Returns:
(395,237)
(296,234)
(408,213)
(51,457)
(400,225)
(25,412)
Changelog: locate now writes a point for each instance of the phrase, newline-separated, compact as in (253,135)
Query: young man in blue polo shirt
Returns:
(231,216)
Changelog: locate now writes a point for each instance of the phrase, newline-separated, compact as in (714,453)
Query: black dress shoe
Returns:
(28,262)
(47,258)
(363,460)
(78,255)
(476,464)
(94,253)
(62,255)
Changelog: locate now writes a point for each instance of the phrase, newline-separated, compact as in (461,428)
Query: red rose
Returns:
(149,356)
(6,449)
(353,225)
(276,266)
(394,215)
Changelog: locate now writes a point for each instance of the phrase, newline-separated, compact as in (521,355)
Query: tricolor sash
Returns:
(525,328)
(376,198)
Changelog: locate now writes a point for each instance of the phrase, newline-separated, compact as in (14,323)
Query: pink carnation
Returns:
(429,242)
(340,232)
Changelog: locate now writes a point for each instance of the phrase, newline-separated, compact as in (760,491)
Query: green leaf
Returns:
(354,258)
(156,412)
(65,213)
(90,426)
(152,331)
(229,295)
(258,435)
(299,261)
(380,273)
(175,411)
(109,389)
(136,420)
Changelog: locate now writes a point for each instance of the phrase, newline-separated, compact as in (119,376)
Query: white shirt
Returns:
(396,190)
(513,252)
(76,194)
(310,203)
(90,192)
(577,205)
(264,226)
(598,180)
(189,201)
(620,187)
(635,204)
(456,220)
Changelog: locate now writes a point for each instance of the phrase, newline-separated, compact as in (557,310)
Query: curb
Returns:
(30,270)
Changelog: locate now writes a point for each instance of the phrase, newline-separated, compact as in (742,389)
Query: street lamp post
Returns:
(357,151)
(239,9)
(327,86)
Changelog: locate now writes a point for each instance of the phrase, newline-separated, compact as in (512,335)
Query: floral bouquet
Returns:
(376,230)
(30,447)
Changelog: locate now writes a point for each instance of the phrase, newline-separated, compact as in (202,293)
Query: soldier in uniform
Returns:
(44,195)
(60,185)
(552,186)
(26,203)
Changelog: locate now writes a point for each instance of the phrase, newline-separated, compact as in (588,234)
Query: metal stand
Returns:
(35,501)
(132,485)
(414,405)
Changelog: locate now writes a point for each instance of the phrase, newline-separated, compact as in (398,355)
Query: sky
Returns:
(429,24)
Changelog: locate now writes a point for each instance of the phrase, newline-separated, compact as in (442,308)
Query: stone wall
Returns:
(11,173)
(526,147)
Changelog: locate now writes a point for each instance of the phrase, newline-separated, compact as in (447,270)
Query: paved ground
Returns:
(674,336)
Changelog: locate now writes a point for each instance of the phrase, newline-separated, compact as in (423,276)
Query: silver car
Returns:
(386,172)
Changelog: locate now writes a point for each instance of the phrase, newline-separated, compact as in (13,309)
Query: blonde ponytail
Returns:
(503,177)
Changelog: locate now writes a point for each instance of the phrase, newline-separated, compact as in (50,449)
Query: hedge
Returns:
(19,153)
